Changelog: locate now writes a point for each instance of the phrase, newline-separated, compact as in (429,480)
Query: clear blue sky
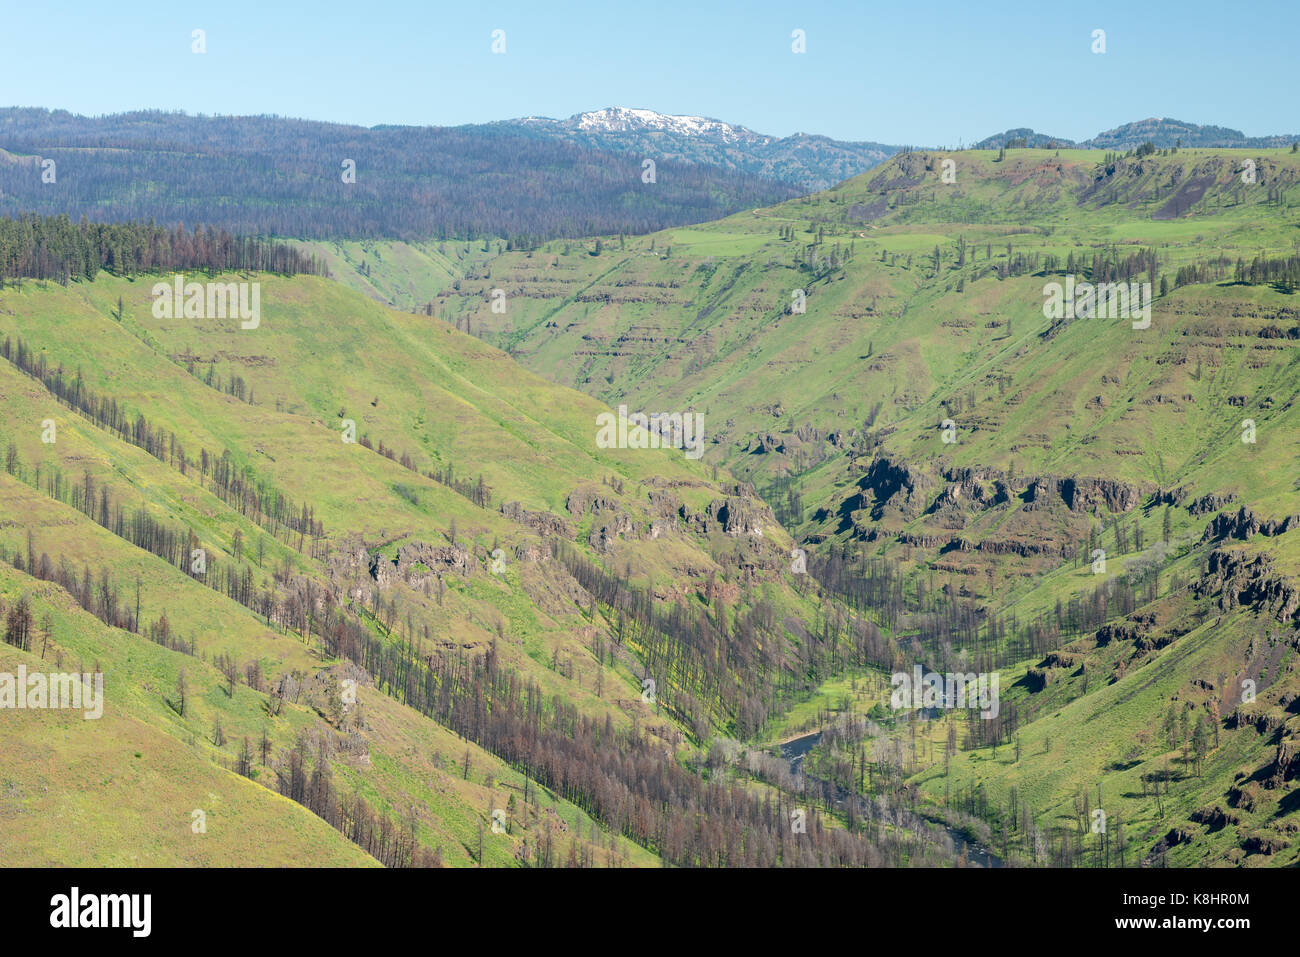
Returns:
(929,73)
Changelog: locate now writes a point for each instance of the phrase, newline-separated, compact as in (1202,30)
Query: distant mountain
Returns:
(1166,133)
(1023,137)
(617,119)
(272,175)
(1163,134)
(807,161)
(526,179)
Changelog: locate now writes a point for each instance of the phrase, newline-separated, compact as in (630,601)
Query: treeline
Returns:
(1282,271)
(235,386)
(18,628)
(477,492)
(624,778)
(98,595)
(56,248)
(1109,265)
(929,622)
(1105,265)
(738,664)
(268,175)
(176,546)
(1201,273)
(239,488)
(311,784)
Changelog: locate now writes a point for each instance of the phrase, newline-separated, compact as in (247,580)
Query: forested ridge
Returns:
(268,175)
(54,247)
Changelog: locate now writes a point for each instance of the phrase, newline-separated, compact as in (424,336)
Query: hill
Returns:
(1162,133)
(472,636)
(1084,504)
(1021,138)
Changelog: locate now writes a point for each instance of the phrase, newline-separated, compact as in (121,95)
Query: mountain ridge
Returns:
(582,176)
(288,177)
(1161,133)
(808,161)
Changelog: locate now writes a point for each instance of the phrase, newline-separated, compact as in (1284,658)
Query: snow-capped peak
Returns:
(618,119)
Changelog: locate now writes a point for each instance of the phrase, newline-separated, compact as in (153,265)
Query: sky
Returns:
(930,73)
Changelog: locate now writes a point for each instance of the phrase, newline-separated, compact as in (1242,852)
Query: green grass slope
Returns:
(876,358)
(459,452)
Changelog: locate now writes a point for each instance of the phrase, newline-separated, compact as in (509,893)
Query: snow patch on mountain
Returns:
(619,119)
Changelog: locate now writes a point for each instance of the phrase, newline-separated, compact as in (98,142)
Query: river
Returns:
(797,749)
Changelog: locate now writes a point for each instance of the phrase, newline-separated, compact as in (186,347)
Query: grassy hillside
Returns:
(880,364)
(908,460)
(490,581)
(403,274)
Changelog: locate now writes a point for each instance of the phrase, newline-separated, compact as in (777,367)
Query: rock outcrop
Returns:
(1241,579)
(418,564)
(1244,524)
(544,523)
